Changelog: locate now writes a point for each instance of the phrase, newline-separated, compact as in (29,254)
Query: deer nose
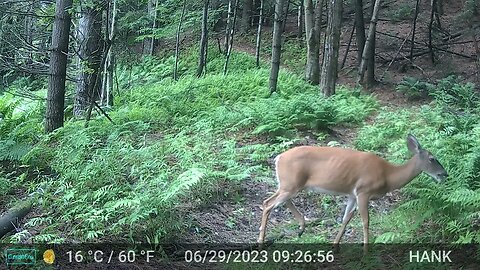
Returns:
(443,175)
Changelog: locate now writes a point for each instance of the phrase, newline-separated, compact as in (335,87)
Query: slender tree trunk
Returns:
(312,31)
(414,28)
(3,70)
(230,44)
(318,17)
(331,48)
(202,62)
(300,20)
(369,42)
(107,91)
(30,31)
(228,26)
(246,15)
(348,45)
(370,77)
(149,43)
(359,29)
(252,12)
(276,44)
(177,42)
(430,28)
(154,26)
(440,7)
(437,13)
(89,57)
(58,66)
(284,23)
(477,52)
(259,35)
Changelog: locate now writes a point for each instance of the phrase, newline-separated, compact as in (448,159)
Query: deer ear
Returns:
(412,144)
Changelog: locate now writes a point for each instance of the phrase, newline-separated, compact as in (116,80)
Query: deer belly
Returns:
(326,191)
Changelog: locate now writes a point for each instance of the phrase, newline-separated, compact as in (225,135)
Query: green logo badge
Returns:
(20,256)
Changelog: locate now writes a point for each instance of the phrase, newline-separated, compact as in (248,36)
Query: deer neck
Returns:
(400,175)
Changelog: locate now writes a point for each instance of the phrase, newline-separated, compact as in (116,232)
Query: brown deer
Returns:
(361,176)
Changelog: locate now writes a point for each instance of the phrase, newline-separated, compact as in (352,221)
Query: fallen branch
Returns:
(9,221)
(396,54)
(433,46)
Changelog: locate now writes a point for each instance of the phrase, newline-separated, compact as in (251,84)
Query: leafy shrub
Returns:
(449,92)
(401,11)
(414,88)
(19,127)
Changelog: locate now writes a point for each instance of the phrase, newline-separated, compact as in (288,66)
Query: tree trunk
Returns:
(228,25)
(109,67)
(154,26)
(284,24)
(89,57)
(177,42)
(412,46)
(230,44)
(369,42)
(370,78)
(30,22)
(430,28)
(348,46)
(246,15)
(312,32)
(477,60)
(58,66)
(331,48)
(259,35)
(149,43)
(359,29)
(276,44)
(255,6)
(203,41)
(300,20)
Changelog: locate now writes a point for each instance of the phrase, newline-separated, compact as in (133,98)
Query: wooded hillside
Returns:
(159,122)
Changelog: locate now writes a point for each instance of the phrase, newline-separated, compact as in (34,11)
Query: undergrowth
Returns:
(449,128)
(175,145)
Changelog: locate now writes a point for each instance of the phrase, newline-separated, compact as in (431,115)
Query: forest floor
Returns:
(238,220)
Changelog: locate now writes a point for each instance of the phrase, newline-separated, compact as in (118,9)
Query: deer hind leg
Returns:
(268,205)
(363,209)
(347,216)
(298,216)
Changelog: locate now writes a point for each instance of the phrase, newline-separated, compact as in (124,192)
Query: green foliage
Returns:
(174,143)
(294,56)
(449,92)
(19,127)
(414,88)
(445,212)
(352,106)
(401,11)
(305,111)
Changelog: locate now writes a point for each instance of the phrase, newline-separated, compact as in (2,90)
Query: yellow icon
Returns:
(49,256)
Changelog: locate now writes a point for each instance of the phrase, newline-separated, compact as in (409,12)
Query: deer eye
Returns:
(431,159)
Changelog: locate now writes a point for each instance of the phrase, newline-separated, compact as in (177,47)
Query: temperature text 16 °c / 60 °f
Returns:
(100,256)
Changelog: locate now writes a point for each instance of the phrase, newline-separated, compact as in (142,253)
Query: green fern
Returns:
(11,150)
